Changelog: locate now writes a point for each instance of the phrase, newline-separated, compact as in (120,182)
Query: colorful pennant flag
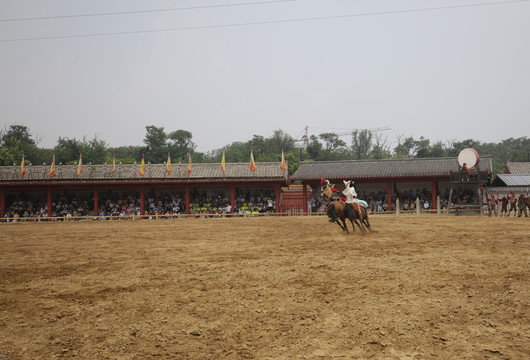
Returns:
(113,164)
(168,165)
(142,167)
(22,167)
(252,163)
(52,167)
(282,164)
(80,165)
(223,165)
(189,166)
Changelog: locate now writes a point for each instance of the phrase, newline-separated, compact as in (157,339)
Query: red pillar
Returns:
(2,204)
(389,196)
(277,199)
(142,202)
(305,196)
(49,203)
(433,201)
(96,205)
(233,198)
(187,200)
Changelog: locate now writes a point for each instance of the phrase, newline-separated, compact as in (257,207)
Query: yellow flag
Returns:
(142,167)
(168,165)
(282,165)
(52,167)
(189,167)
(223,166)
(22,167)
(80,166)
(252,163)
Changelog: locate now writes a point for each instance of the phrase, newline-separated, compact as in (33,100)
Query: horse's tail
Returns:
(332,213)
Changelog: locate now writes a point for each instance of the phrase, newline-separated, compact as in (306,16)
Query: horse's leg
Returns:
(360,224)
(351,214)
(366,222)
(360,218)
(356,219)
(338,223)
(345,226)
(352,220)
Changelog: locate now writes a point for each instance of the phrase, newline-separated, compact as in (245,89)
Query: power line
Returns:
(268,21)
(145,11)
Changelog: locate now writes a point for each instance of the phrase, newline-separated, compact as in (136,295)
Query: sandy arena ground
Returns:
(423,287)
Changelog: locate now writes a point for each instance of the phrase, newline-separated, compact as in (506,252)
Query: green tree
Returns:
(314,148)
(380,148)
(361,144)
(94,150)
(279,141)
(124,154)
(405,148)
(15,141)
(156,148)
(180,145)
(332,141)
(422,148)
(67,150)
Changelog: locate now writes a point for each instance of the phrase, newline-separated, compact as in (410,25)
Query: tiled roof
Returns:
(512,180)
(390,168)
(518,167)
(503,190)
(210,171)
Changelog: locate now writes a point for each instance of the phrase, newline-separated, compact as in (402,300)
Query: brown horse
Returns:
(361,214)
(523,203)
(338,212)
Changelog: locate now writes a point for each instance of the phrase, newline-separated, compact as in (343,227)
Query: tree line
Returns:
(16,140)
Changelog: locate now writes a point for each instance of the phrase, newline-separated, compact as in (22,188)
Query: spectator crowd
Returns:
(378,201)
(127,205)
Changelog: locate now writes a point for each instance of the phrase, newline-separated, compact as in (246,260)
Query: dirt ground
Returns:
(426,287)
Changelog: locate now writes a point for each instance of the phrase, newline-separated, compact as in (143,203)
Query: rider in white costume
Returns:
(351,194)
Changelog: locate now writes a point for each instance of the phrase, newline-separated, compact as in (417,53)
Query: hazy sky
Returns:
(333,65)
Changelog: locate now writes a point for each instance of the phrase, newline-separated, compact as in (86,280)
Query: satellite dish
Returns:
(469,157)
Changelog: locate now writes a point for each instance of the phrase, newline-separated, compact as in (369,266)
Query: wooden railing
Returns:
(474,177)
(456,210)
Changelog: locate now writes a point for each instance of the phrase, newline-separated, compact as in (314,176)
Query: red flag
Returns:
(113,164)
(52,167)
(252,164)
(142,167)
(282,165)
(223,167)
(189,166)
(22,167)
(80,166)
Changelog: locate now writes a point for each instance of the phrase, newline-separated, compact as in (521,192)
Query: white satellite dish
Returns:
(469,157)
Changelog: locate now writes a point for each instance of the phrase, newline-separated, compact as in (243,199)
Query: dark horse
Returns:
(338,212)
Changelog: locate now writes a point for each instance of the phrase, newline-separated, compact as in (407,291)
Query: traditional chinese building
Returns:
(97,182)
(437,175)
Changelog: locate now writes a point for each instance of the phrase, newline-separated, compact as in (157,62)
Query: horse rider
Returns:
(521,204)
(351,194)
(329,190)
